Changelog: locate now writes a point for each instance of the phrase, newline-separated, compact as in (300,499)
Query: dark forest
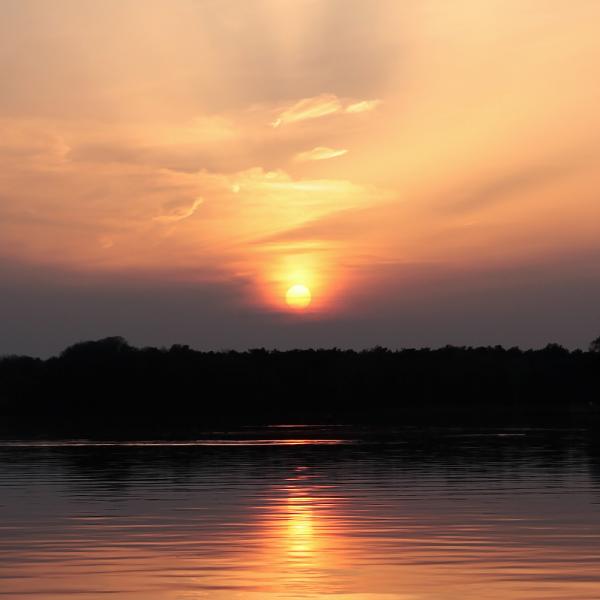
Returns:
(109,388)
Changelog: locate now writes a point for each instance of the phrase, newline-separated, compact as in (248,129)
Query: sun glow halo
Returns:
(298,296)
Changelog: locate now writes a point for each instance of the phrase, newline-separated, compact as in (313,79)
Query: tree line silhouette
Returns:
(109,387)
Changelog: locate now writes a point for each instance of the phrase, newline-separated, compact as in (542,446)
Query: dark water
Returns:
(459,515)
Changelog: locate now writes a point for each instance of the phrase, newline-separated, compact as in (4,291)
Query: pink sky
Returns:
(387,155)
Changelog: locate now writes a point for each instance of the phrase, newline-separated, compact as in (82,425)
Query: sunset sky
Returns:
(429,171)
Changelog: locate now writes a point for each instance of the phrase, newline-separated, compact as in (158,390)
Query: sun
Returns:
(298,296)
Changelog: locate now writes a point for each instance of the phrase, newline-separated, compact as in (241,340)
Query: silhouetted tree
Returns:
(100,349)
(110,388)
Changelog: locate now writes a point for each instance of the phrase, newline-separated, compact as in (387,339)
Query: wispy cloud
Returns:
(178,211)
(321,106)
(320,153)
(309,108)
(362,106)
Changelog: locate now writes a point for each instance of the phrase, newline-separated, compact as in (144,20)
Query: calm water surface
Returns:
(459,515)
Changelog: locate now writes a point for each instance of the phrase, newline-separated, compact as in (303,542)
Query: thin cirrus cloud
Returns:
(178,211)
(321,106)
(362,106)
(320,153)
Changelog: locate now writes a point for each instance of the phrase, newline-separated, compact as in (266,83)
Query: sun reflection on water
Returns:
(301,542)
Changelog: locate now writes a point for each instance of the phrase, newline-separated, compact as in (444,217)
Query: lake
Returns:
(304,513)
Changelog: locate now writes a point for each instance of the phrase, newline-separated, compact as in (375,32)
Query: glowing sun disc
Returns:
(298,296)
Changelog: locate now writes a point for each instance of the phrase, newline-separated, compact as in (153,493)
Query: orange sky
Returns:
(346,145)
